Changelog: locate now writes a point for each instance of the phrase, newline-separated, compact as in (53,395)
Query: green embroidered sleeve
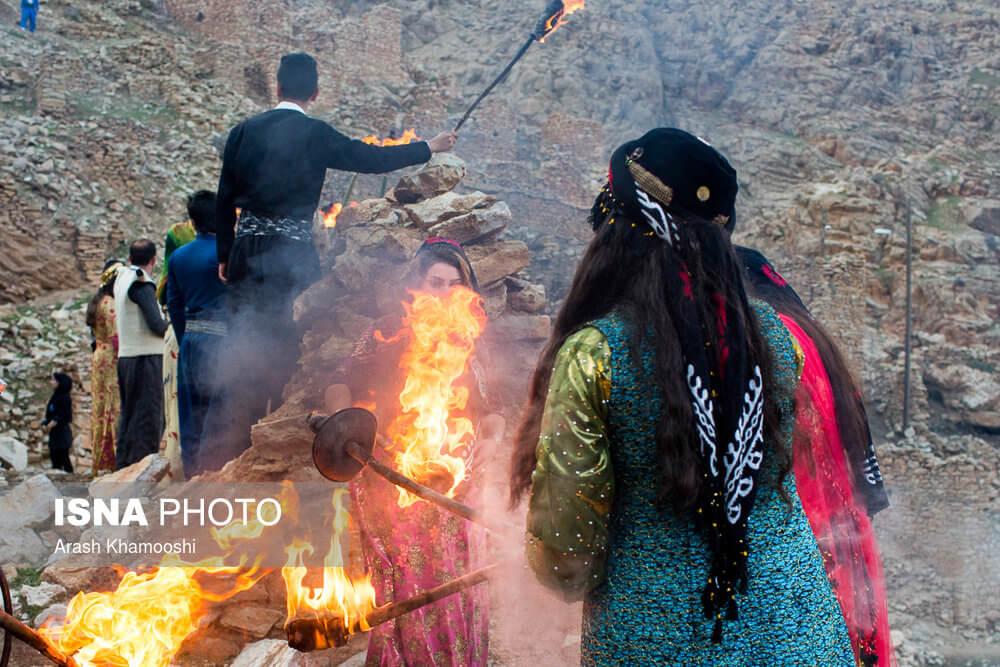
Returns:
(573,482)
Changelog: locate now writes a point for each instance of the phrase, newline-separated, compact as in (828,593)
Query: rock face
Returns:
(843,118)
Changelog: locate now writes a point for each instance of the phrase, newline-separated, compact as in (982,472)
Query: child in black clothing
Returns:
(60,411)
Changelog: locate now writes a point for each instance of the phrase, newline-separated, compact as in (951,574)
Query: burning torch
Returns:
(553,16)
(343,447)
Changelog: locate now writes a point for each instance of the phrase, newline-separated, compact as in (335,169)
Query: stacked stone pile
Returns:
(369,254)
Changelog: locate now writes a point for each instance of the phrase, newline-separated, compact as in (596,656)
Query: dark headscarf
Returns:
(60,407)
(670,178)
(438,249)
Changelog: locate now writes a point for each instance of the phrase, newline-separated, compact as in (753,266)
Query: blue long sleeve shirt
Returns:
(194,290)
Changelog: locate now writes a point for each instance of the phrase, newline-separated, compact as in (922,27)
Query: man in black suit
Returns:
(273,169)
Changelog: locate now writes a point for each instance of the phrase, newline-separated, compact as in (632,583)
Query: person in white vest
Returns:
(140,356)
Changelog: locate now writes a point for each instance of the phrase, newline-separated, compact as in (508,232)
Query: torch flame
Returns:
(330,214)
(559,17)
(408,136)
(339,593)
(427,436)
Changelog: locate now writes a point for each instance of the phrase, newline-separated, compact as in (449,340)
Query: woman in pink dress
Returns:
(409,550)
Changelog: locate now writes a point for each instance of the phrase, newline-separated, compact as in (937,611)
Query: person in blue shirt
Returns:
(29,11)
(196,301)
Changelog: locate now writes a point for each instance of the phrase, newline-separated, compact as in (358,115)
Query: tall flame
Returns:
(559,18)
(408,136)
(339,593)
(427,436)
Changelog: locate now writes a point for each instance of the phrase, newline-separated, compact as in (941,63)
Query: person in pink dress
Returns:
(412,549)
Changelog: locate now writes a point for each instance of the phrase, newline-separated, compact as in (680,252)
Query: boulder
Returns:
(54,612)
(432,211)
(525,297)
(441,174)
(497,260)
(970,395)
(135,481)
(986,218)
(252,622)
(42,595)
(517,327)
(13,452)
(30,504)
(21,546)
(475,225)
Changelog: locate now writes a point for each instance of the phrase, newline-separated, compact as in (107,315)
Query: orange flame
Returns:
(339,593)
(427,436)
(330,214)
(408,136)
(144,622)
(559,18)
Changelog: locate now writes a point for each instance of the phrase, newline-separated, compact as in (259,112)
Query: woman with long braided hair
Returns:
(657,442)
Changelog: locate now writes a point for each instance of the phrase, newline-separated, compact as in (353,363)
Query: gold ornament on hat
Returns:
(651,184)
(703,193)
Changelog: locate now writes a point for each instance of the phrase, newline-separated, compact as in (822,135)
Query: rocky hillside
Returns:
(844,118)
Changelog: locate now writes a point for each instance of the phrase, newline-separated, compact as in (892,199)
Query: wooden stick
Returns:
(388,612)
(501,77)
(34,640)
(410,485)
(420,490)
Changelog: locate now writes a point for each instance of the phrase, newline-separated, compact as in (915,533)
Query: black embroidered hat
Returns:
(680,171)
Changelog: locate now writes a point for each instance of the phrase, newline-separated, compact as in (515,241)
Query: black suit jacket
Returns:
(274,165)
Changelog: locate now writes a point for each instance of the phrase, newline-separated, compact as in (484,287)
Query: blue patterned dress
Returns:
(595,527)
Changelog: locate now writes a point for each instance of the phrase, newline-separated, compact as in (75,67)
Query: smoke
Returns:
(529,625)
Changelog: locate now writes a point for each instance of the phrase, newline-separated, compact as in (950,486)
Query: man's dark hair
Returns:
(297,76)
(201,211)
(141,251)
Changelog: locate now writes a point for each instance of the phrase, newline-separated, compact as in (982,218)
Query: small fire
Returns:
(339,593)
(146,619)
(408,136)
(559,18)
(331,212)
(427,436)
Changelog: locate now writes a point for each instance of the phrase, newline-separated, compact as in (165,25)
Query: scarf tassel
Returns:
(712,604)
